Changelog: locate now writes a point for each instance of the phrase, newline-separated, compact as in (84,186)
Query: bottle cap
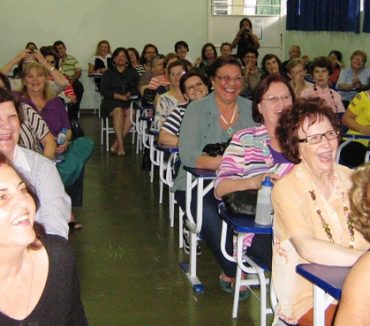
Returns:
(267,182)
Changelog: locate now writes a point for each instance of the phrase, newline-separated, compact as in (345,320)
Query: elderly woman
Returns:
(353,307)
(194,86)
(311,221)
(253,154)
(40,172)
(296,72)
(321,70)
(173,98)
(355,78)
(212,119)
(117,85)
(38,283)
(245,38)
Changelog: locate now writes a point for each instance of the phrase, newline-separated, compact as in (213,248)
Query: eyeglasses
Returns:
(317,138)
(276,99)
(227,78)
(177,74)
(193,87)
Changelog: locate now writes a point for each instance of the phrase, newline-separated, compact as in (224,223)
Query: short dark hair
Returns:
(220,62)
(50,50)
(117,51)
(204,47)
(179,44)
(251,50)
(59,42)
(337,53)
(225,44)
(314,109)
(7,96)
(322,62)
(260,91)
(193,73)
(267,57)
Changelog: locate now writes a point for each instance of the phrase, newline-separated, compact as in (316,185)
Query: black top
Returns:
(60,303)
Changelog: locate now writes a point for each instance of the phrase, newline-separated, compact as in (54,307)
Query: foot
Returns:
(121,153)
(74,225)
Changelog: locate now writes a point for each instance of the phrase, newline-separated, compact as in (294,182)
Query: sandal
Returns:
(228,288)
(75,225)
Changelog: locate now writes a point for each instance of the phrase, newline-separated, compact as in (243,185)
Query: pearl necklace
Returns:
(325,224)
(229,130)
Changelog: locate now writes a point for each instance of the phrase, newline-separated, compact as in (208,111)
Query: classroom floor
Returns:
(128,256)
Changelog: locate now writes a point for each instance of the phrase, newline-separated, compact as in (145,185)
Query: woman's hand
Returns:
(256,182)
(62,148)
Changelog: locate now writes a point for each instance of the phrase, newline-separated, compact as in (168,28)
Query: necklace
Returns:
(229,130)
(30,292)
(325,224)
(332,97)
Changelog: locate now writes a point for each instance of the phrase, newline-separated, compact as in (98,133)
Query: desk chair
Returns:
(105,130)
(242,224)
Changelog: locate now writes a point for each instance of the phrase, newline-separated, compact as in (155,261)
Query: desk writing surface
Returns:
(328,278)
(243,223)
(201,173)
(167,148)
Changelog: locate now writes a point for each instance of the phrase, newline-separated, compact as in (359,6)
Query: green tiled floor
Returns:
(127,255)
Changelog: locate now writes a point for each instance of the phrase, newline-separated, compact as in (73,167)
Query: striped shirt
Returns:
(173,122)
(69,66)
(55,205)
(157,81)
(249,155)
(33,129)
(165,105)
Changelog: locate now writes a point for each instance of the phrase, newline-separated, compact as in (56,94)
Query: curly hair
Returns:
(359,197)
(314,109)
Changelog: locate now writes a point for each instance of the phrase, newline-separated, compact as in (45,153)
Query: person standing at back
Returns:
(72,69)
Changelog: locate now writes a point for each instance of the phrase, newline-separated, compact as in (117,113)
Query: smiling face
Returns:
(120,59)
(319,157)
(17,210)
(35,81)
(195,88)
(209,53)
(250,59)
(103,49)
(182,51)
(132,58)
(9,129)
(357,62)
(276,99)
(321,77)
(226,50)
(297,73)
(175,74)
(227,83)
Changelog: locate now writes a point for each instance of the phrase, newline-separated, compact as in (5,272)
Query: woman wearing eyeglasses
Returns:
(311,221)
(212,119)
(171,99)
(253,154)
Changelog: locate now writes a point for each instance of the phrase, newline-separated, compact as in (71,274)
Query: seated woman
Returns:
(297,72)
(335,57)
(209,55)
(357,120)
(194,86)
(212,119)
(148,53)
(321,70)
(354,79)
(117,85)
(271,65)
(167,102)
(311,220)
(353,306)
(156,69)
(226,49)
(36,93)
(34,133)
(253,154)
(134,58)
(43,288)
(252,75)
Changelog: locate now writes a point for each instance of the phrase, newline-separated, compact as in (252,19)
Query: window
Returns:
(245,7)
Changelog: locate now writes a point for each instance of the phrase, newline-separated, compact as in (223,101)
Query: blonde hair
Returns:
(359,196)
(48,93)
(97,51)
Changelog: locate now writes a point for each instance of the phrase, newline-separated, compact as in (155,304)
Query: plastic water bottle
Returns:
(62,136)
(264,205)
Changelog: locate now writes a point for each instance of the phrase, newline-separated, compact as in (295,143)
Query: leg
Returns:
(126,122)
(117,115)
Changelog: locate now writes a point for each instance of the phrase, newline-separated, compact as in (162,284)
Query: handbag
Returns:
(241,202)
(216,149)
